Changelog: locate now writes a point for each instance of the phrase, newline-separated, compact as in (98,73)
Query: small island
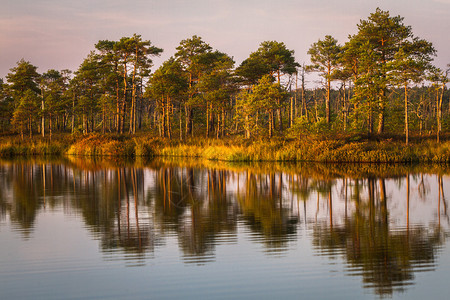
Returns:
(380,99)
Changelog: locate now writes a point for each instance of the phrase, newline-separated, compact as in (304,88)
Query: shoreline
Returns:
(306,149)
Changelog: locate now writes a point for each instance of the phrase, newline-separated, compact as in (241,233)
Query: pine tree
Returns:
(26,113)
(325,55)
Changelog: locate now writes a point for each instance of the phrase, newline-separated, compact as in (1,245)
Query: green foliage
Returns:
(26,112)
(325,55)
(256,107)
(6,107)
(251,70)
(271,58)
(199,93)
(22,78)
(384,52)
(302,126)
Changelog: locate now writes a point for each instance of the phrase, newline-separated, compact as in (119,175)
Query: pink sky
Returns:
(58,34)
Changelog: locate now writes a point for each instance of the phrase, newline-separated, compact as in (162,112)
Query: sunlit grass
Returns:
(14,146)
(237,150)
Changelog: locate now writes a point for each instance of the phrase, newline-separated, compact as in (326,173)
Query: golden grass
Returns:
(238,150)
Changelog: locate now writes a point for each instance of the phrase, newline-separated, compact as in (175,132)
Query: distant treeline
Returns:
(381,81)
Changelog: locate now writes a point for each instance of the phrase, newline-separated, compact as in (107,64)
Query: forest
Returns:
(380,84)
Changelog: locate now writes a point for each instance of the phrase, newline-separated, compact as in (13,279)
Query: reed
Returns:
(317,150)
(103,145)
(233,150)
(15,147)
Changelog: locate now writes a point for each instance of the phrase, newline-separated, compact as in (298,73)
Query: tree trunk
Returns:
(50,126)
(73,114)
(155,113)
(84,123)
(162,120)
(104,118)
(29,127)
(212,118)
(291,114)
(295,96)
(439,114)
(92,121)
(449,105)
(123,112)
(218,128)
(125,88)
(181,125)
(169,133)
(43,116)
(381,113)
(207,119)
(247,127)
(133,94)
(327,103)
(64,121)
(132,129)
(345,108)
(117,106)
(188,109)
(188,119)
(270,123)
(315,106)
(406,115)
(303,111)
(222,133)
(160,125)
(280,117)
(191,118)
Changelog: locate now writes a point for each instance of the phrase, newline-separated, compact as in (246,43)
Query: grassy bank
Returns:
(306,149)
(13,146)
(319,151)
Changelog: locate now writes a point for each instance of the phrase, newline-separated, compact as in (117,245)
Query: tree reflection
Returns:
(386,259)
(444,202)
(22,182)
(122,227)
(265,212)
(133,210)
(194,204)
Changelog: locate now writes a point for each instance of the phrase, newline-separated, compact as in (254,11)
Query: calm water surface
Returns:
(170,230)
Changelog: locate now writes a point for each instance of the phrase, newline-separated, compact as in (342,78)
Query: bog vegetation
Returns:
(380,91)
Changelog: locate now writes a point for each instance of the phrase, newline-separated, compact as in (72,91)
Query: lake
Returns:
(171,229)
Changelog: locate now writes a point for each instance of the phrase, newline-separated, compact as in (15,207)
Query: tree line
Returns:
(380,81)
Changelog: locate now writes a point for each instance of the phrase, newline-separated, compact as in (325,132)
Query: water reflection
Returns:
(266,212)
(385,222)
(386,258)
(193,203)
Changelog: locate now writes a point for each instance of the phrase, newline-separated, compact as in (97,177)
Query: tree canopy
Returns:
(381,81)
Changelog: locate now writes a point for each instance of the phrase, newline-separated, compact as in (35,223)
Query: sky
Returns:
(59,34)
